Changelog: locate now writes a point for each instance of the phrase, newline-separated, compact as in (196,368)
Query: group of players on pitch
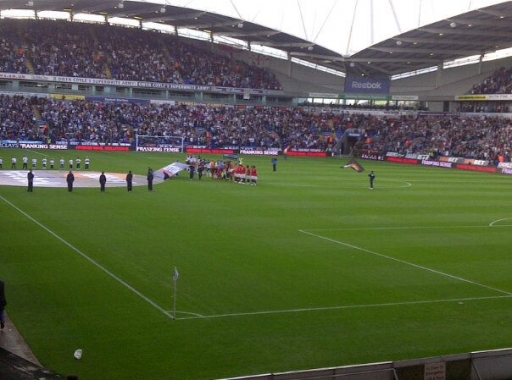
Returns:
(236,172)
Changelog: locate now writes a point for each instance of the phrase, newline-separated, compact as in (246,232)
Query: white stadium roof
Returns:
(371,37)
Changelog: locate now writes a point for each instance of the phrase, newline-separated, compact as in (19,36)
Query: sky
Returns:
(344,26)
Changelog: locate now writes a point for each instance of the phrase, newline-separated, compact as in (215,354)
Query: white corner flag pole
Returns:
(174,280)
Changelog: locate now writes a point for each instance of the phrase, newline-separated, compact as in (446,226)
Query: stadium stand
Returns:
(102,51)
(478,136)
(500,82)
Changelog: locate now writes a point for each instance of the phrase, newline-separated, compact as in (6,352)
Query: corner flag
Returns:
(354,165)
(175,276)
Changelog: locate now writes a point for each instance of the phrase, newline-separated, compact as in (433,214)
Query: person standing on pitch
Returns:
(30,179)
(150,179)
(70,178)
(274,164)
(371,176)
(103,181)
(129,179)
(3,303)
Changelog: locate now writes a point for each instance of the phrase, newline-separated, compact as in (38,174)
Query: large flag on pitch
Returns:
(170,170)
(354,165)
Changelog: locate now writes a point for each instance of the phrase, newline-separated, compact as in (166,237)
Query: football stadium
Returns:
(207,190)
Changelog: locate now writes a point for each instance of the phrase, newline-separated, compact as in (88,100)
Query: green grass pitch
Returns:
(308,269)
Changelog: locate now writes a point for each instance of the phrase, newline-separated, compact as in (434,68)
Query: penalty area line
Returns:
(407,263)
(403,228)
(92,261)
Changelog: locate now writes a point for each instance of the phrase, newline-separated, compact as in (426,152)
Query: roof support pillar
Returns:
(480,63)
(289,59)
(439,75)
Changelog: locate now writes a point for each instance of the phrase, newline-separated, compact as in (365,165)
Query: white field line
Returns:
(95,263)
(356,185)
(344,307)
(406,263)
(492,224)
(36,152)
(194,315)
(199,316)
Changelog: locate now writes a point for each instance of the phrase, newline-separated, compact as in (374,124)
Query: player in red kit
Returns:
(254,175)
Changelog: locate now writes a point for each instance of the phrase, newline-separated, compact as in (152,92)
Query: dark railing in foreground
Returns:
(481,365)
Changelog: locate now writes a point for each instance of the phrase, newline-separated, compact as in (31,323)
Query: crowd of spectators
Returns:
(17,118)
(63,48)
(366,105)
(214,126)
(484,107)
(480,137)
(500,82)
(12,53)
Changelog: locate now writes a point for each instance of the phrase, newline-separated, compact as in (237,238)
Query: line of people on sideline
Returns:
(48,163)
(70,180)
(237,172)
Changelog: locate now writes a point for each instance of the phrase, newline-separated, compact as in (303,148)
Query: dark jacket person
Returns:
(30,178)
(129,180)
(70,178)
(103,181)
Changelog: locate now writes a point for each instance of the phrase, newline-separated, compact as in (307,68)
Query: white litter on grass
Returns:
(78,354)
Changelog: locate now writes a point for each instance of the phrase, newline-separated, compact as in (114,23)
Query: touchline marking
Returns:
(344,307)
(407,263)
(98,265)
